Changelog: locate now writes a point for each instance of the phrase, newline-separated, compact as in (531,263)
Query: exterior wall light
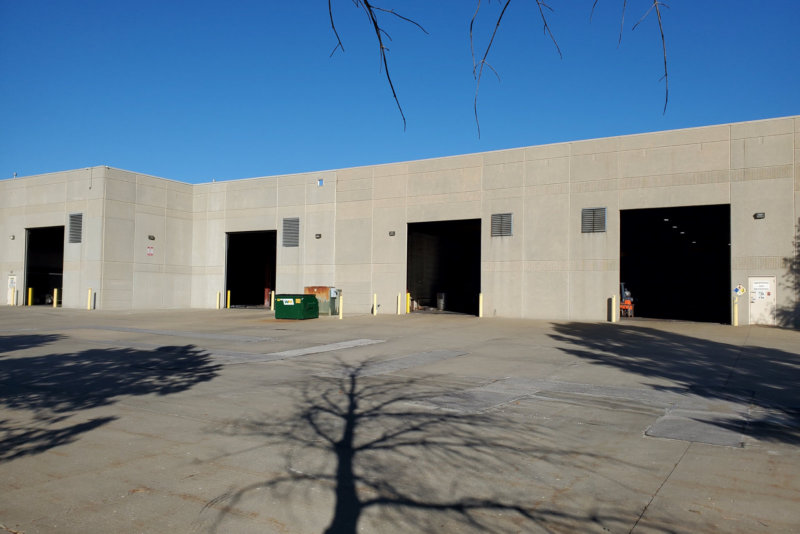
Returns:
(151,237)
(391,233)
(760,215)
(12,237)
(317,236)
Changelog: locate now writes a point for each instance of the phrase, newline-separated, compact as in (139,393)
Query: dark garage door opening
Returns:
(250,267)
(445,257)
(677,262)
(44,263)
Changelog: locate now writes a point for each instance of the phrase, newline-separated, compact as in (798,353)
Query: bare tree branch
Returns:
(483,61)
(477,68)
(471,39)
(622,18)
(371,12)
(333,27)
(664,48)
(657,7)
(542,6)
(622,21)
(378,34)
(398,15)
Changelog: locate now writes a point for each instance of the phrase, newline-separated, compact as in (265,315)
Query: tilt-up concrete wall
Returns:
(548,268)
(115,257)
(47,200)
(353,222)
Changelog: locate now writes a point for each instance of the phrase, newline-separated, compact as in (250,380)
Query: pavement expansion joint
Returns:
(663,482)
(175,333)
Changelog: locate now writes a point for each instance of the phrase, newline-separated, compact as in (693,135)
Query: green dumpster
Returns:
(296,307)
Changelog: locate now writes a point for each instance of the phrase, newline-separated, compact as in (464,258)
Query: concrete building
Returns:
(544,232)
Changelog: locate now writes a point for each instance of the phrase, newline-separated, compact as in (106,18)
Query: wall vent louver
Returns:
(291,232)
(501,224)
(75,227)
(593,220)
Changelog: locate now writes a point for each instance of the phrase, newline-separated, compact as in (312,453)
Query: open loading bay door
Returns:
(444,265)
(44,264)
(676,262)
(250,267)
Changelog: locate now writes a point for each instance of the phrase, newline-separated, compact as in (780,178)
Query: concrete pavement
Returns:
(231,421)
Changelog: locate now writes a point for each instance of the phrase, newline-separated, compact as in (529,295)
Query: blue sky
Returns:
(201,90)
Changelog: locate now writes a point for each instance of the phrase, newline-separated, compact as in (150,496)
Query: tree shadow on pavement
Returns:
(22,440)
(390,458)
(763,380)
(39,394)
(19,343)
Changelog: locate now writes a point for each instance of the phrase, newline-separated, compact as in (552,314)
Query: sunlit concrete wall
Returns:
(763,179)
(140,272)
(259,204)
(547,269)
(47,200)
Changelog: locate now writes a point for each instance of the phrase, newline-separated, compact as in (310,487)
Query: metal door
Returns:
(763,300)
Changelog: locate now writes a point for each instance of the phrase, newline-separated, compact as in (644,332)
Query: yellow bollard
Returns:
(398,304)
(408,302)
(614,309)
(228,305)
(735,311)
(219,299)
(480,304)
(341,305)
(374,304)
(272,300)
(30,296)
(89,300)
(55,298)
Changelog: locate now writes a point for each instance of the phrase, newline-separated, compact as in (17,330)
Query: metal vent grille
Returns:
(501,224)
(291,232)
(75,227)
(593,220)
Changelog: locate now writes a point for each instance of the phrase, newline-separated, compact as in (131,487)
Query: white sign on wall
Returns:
(761,285)
(763,300)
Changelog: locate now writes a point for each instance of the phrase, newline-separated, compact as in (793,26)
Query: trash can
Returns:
(296,307)
(335,300)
